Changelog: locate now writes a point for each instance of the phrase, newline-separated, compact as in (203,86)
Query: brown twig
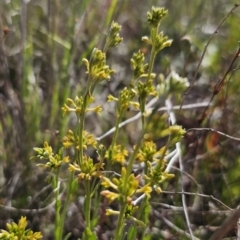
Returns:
(219,85)
(27,211)
(213,130)
(227,226)
(204,52)
(200,195)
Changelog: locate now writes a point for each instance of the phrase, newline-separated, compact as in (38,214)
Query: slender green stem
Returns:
(57,232)
(152,59)
(123,204)
(88,204)
(153,52)
(81,128)
(121,217)
(120,223)
(114,140)
(143,215)
(143,116)
(66,204)
(150,69)
(133,156)
(143,121)
(81,122)
(110,12)
(129,169)
(159,165)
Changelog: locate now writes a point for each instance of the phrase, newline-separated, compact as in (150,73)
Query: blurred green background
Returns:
(41,48)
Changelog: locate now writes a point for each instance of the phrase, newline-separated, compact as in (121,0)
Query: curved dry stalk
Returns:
(177,229)
(204,52)
(200,195)
(227,225)
(28,211)
(149,108)
(213,130)
(178,147)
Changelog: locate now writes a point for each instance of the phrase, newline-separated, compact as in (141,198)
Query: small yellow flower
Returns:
(112,98)
(147,189)
(175,132)
(19,231)
(71,140)
(106,182)
(111,196)
(147,152)
(117,154)
(111,212)
(73,168)
(158,190)
(88,169)
(155,16)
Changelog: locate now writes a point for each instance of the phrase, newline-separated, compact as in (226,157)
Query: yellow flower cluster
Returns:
(19,231)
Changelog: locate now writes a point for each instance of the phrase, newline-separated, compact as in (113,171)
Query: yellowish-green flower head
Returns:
(19,231)
(155,16)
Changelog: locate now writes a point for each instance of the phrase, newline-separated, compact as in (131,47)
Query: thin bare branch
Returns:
(190,209)
(213,130)
(27,211)
(178,147)
(171,225)
(200,195)
(227,225)
(219,85)
(149,108)
(204,51)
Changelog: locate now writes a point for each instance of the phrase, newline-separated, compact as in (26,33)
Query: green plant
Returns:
(122,186)
(19,231)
